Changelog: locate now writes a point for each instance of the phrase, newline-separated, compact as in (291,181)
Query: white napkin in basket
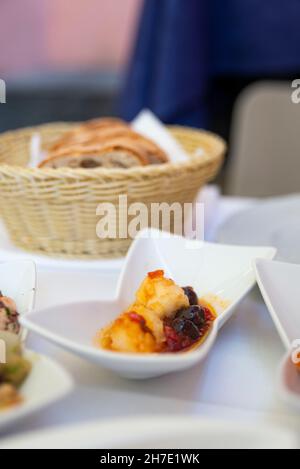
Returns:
(35,151)
(148,125)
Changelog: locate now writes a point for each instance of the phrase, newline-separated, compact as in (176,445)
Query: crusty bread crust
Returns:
(102,154)
(103,122)
(99,136)
(85,133)
(153,152)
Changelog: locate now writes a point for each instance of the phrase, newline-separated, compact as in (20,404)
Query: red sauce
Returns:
(156,274)
(176,342)
(140,320)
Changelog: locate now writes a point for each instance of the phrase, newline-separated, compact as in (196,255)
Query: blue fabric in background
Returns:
(255,37)
(168,73)
(182,45)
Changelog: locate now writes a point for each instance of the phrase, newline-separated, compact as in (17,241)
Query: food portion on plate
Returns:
(103,142)
(14,371)
(14,368)
(8,315)
(164,317)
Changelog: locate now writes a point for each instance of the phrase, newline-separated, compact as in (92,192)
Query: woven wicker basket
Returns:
(53,211)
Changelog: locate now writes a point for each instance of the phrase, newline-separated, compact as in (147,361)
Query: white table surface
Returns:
(237,380)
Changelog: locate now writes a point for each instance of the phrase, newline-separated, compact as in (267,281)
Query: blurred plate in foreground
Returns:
(279,284)
(46,383)
(157,432)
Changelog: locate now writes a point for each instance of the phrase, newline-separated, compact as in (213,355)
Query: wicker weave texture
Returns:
(53,211)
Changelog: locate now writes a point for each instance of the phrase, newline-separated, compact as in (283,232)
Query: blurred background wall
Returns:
(63,60)
(49,35)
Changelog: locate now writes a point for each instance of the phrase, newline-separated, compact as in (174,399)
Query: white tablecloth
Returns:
(237,380)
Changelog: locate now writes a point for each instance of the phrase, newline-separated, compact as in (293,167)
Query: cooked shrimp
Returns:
(128,333)
(161,295)
(140,328)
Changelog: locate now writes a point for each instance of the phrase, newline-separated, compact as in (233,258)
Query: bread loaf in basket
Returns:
(53,211)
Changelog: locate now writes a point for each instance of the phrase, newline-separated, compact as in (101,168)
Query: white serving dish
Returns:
(225,271)
(279,283)
(47,381)
(18,281)
(164,432)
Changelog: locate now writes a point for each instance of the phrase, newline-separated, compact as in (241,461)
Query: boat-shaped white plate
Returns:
(279,283)
(214,270)
(47,381)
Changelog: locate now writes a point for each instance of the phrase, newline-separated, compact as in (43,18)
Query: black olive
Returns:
(193,313)
(186,327)
(192,296)
(191,330)
(178,325)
